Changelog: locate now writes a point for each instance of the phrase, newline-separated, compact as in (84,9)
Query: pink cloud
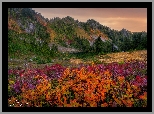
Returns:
(133,19)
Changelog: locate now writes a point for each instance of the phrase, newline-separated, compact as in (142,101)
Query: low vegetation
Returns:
(67,63)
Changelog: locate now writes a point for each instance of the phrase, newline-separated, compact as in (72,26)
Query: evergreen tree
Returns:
(98,45)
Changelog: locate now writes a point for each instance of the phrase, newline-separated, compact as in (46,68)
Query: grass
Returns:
(65,58)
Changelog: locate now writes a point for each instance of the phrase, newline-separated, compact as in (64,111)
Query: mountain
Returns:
(33,30)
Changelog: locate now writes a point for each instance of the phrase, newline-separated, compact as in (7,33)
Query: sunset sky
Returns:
(132,19)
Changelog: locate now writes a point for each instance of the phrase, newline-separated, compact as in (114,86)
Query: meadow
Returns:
(111,80)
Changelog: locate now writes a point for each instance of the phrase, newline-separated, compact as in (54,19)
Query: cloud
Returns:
(132,24)
(133,19)
(96,12)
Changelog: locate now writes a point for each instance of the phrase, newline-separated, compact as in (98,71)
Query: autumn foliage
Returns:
(88,86)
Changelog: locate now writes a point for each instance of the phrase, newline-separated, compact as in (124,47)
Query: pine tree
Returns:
(98,45)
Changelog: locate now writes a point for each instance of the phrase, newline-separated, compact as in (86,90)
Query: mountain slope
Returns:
(68,32)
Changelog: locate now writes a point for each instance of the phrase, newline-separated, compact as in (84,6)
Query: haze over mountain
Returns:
(133,19)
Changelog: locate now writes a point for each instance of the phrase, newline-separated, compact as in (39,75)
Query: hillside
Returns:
(28,21)
(31,33)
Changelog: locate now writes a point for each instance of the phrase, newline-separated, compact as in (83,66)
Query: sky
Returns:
(132,19)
